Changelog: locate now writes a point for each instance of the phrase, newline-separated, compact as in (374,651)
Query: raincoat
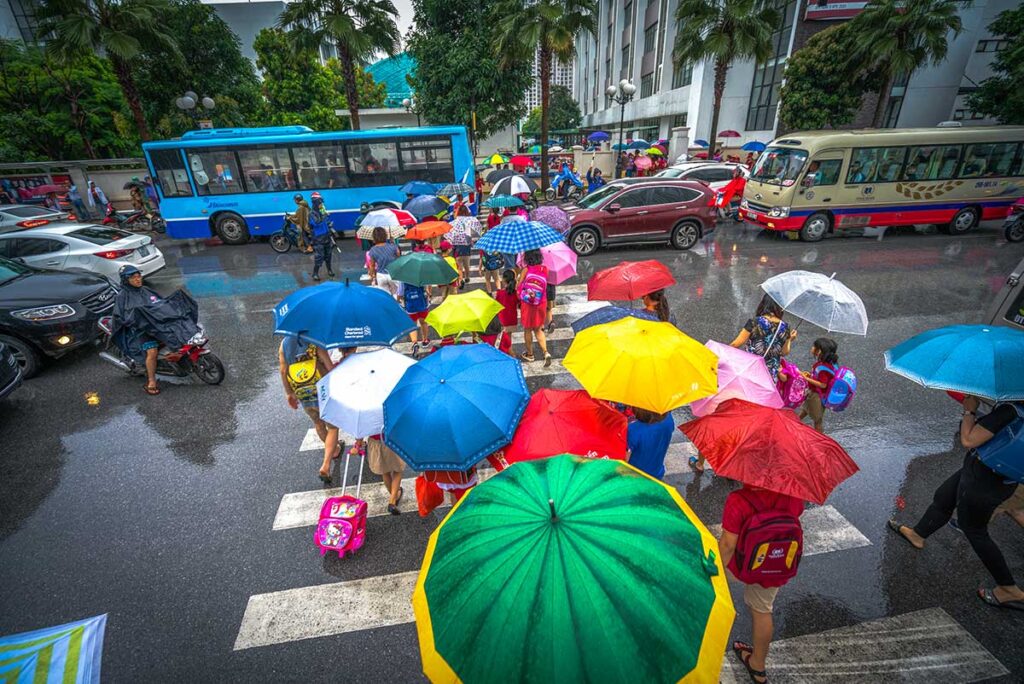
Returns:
(141,314)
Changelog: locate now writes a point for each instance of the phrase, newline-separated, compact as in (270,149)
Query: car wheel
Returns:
(231,229)
(584,241)
(963,221)
(685,235)
(815,227)
(27,357)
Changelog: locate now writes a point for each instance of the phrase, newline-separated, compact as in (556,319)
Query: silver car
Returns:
(716,175)
(100,249)
(15,216)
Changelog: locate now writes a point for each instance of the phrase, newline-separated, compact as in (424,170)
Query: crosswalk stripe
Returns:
(825,531)
(914,648)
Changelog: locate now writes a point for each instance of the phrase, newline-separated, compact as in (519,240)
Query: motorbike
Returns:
(1013,224)
(283,240)
(192,358)
(135,221)
(566,185)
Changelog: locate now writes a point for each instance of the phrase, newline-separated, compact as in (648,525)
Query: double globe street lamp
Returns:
(189,101)
(620,94)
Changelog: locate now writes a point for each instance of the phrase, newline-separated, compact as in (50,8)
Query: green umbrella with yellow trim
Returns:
(569,569)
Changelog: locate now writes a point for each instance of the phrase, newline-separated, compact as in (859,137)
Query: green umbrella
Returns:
(422,268)
(569,569)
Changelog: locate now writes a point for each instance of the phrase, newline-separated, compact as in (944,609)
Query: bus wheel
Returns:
(815,227)
(231,229)
(964,220)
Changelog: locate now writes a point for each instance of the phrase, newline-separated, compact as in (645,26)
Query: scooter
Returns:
(283,240)
(1013,224)
(565,183)
(135,221)
(193,358)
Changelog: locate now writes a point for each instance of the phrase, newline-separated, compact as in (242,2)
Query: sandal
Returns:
(989,597)
(527,357)
(695,463)
(757,676)
(326,479)
(151,390)
(547,360)
(895,527)
(401,493)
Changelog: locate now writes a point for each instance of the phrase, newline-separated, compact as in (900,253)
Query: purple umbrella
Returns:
(552,216)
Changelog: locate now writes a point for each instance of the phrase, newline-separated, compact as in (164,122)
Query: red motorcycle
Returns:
(1013,224)
(135,220)
(192,358)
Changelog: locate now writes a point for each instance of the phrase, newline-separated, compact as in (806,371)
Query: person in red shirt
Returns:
(509,315)
(819,379)
(741,505)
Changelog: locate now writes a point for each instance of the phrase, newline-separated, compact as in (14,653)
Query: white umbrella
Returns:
(381,218)
(352,395)
(512,185)
(819,299)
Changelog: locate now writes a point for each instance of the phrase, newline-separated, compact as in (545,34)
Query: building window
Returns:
(24,12)
(628,15)
(892,111)
(650,38)
(624,65)
(647,85)
(682,75)
(991,45)
(962,114)
(764,91)
(679,120)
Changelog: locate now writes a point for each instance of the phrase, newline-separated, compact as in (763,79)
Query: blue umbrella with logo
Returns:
(334,315)
(425,206)
(609,314)
(512,237)
(455,407)
(753,146)
(418,188)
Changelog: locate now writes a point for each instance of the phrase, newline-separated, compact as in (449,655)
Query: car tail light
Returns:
(33,223)
(115,253)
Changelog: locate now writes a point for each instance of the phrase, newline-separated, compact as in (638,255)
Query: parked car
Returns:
(17,216)
(48,313)
(633,210)
(10,371)
(715,174)
(99,249)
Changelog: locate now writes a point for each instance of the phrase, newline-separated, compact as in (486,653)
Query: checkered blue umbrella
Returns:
(512,237)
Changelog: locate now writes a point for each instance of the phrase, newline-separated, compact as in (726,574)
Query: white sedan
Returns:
(714,174)
(14,216)
(100,249)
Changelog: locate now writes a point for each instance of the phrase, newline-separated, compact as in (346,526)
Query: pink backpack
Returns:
(534,289)
(794,388)
(342,524)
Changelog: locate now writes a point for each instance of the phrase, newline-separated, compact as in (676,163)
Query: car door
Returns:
(628,215)
(40,252)
(669,204)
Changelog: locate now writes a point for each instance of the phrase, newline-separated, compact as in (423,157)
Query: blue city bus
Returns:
(234,183)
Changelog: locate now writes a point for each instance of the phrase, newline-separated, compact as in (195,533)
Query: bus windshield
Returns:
(779,166)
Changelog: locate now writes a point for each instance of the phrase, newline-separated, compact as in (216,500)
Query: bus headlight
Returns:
(744,204)
(779,212)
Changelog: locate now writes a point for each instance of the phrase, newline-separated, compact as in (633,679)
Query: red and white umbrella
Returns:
(396,221)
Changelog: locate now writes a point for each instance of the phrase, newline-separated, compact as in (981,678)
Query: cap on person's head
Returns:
(445,245)
(316,196)
(127,271)
(298,197)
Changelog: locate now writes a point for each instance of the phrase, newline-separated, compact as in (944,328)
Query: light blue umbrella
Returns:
(504,202)
(66,653)
(334,315)
(608,314)
(700,143)
(418,188)
(619,147)
(639,144)
(455,407)
(753,146)
(512,237)
(986,361)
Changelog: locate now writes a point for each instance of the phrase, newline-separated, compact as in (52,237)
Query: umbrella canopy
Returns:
(567,422)
(422,268)
(520,160)
(607,314)
(661,145)
(553,216)
(504,202)
(468,226)
(638,144)
(598,136)
(753,146)
(648,364)
(428,229)
(770,448)
(986,361)
(352,395)
(819,299)
(741,375)
(395,221)
(366,232)
(629,280)
(560,260)
(47,189)
(572,570)
(619,147)
(555,149)
(461,313)
(453,189)
(728,133)
(513,185)
(534,149)
(455,407)
(425,206)
(66,653)
(333,315)
(700,143)
(498,174)
(496,159)
(643,162)
(655,152)
(418,188)
(512,237)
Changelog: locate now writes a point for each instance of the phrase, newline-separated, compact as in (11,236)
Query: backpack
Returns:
(415,299)
(841,389)
(1004,453)
(769,547)
(342,524)
(794,389)
(493,261)
(534,289)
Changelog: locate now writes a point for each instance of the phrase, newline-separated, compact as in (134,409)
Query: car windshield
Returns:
(9,270)
(598,196)
(779,166)
(669,173)
(99,236)
(28,212)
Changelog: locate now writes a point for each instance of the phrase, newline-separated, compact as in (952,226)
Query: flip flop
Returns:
(739,648)
(151,391)
(694,463)
(895,527)
(989,597)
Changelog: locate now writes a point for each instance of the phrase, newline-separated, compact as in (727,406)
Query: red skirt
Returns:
(532,315)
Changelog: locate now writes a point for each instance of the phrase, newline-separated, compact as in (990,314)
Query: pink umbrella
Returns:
(560,260)
(729,134)
(643,162)
(741,375)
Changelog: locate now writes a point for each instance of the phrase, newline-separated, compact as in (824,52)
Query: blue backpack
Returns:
(493,261)
(841,390)
(415,299)
(1004,453)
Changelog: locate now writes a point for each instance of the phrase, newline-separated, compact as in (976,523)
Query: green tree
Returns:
(548,29)
(1001,95)
(459,73)
(723,31)
(115,28)
(359,29)
(895,37)
(565,113)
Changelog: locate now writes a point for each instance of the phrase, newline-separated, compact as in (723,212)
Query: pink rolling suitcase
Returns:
(342,526)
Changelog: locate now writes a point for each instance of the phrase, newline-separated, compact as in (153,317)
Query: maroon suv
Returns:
(632,210)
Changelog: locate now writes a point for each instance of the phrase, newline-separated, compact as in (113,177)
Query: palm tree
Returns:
(548,28)
(116,28)
(358,29)
(724,31)
(897,36)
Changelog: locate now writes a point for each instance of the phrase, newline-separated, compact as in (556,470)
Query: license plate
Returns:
(143,251)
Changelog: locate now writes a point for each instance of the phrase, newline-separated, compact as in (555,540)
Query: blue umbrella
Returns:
(66,653)
(425,206)
(638,145)
(598,136)
(455,407)
(418,188)
(345,314)
(986,361)
(504,202)
(608,314)
(512,237)
(619,147)
(753,146)
(700,143)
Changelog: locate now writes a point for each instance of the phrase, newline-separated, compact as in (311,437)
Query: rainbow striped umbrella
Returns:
(66,653)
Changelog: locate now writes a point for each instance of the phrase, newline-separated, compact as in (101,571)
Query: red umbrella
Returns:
(629,280)
(520,160)
(770,448)
(567,422)
(728,134)
(47,189)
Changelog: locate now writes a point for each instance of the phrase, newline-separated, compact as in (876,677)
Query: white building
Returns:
(561,74)
(635,39)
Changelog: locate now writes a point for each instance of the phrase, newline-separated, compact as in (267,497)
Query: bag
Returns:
(342,524)
(841,390)
(415,299)
(428,496)
(794,389)
(534,289)
(1004,453)
(303,376)
(493,261)
(769,547)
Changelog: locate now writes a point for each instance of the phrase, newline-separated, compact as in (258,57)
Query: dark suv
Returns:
(633,210)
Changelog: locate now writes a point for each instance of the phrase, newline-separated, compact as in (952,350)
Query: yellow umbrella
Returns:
(459,313)
(642,363)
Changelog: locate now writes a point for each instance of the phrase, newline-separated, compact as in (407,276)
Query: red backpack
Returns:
(769,547)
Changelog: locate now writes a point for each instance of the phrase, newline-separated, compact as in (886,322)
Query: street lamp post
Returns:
(188,101)
(620,94)
(410,106)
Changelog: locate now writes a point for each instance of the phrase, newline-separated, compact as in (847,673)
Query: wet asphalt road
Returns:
(158,510)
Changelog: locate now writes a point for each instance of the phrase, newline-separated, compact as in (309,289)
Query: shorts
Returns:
(460,251)
(760,599)
(419,315)
(551,295)
(149,343)
(813,405)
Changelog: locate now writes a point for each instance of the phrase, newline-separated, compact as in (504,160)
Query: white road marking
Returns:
(825,531)
(311,442)
(921,647)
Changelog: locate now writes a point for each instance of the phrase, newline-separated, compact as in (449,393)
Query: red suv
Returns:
(632,210)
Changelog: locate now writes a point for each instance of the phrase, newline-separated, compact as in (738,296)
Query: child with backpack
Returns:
(509,315)
(491,264)
(829,385)
(533,296)
(415,300)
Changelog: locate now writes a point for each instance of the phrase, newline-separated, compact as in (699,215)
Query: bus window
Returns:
(372,163)
(931,162)
(876,164)
(320,166)
(169,171)
(215,172)
(988,159)
(267,168)
(779,165)
(429,159)
(823,172)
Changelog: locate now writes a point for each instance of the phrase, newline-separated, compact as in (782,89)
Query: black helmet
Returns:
(298,197)
(126,272)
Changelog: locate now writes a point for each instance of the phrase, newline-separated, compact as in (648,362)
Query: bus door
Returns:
(820,187)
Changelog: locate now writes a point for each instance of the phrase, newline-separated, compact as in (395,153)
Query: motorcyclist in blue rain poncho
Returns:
(562,180)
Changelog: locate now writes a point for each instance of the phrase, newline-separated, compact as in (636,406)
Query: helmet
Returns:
(316,196)
(298,197)
(126,272)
